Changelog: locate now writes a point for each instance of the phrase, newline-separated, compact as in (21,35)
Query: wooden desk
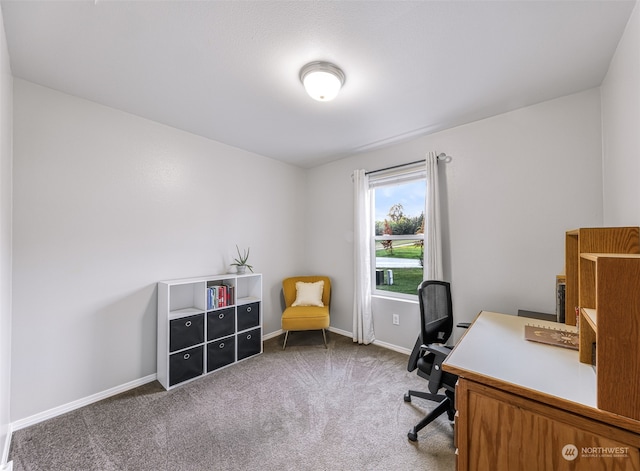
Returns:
(524,405)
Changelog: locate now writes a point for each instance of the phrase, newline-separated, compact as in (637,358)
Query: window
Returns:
(397,205)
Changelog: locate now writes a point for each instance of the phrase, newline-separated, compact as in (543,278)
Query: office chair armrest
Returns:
(463,325)
(440,351)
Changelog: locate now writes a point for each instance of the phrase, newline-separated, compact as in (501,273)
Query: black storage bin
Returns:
(221,353)
(186,365)
(249,343)
(248,316)
(185,332)
(220,323)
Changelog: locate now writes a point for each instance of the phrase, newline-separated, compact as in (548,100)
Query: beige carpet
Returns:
(305,408)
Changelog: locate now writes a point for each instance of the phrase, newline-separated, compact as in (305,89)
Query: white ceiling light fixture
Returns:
(322,80)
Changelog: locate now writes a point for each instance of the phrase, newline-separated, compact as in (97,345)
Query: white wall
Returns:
(6,106)
(621,130)
(105,205)
(515,184)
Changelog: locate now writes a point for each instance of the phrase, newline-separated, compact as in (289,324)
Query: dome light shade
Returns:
(322,80)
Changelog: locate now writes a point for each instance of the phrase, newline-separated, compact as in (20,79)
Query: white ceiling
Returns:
(229,70)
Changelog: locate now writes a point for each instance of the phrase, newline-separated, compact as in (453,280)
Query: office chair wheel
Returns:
(407,397)
(451,414)
(412,435)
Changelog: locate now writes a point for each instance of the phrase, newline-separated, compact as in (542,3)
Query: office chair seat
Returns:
(425,367)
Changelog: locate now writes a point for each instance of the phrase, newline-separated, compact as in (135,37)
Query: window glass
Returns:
(398,212)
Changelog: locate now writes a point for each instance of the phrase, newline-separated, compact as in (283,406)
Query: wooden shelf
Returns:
(587,336)
(590,317)
(609,290)
(593,257)
(622,240)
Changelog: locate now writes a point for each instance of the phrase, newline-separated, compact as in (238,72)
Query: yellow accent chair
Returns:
(306,305)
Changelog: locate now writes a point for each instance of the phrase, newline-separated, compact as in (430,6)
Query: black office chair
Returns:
(436,315)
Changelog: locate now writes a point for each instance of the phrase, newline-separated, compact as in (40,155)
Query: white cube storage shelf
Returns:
(207,323)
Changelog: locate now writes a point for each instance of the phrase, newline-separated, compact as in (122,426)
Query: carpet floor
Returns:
(304,408)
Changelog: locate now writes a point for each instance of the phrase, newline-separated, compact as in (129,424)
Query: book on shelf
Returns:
(210,298)
(219,296)
(552,336)
(561,288)
(232,294)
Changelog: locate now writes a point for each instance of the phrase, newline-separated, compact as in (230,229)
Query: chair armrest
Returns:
(464,325)
(440,351)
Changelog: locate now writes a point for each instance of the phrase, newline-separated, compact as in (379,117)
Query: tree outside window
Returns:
(398,237)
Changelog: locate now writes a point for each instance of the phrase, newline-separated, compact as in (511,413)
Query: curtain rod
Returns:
(440,157)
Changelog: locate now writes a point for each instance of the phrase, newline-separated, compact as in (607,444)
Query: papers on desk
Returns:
(551,336)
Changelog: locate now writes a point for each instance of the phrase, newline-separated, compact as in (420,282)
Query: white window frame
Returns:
(396,177)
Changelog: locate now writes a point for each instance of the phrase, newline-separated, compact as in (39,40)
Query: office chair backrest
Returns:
(436,311)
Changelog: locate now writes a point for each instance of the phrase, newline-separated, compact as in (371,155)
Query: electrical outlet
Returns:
(396,319)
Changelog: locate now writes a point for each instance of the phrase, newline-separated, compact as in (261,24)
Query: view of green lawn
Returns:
(404,251)
(405,280)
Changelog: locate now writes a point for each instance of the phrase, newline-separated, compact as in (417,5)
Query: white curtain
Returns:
(432,230)
(362,316)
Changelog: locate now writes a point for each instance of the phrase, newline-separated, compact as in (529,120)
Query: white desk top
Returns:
(495,347)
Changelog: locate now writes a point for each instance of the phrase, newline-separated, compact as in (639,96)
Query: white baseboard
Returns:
(63,409)
(379,343)
(390,346)
(340,332)
(5,464)
(272,335)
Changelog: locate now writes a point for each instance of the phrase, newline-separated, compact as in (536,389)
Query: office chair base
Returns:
(424,395)
(446,404)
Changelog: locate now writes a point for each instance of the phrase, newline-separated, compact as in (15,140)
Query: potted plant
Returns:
(241,262)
